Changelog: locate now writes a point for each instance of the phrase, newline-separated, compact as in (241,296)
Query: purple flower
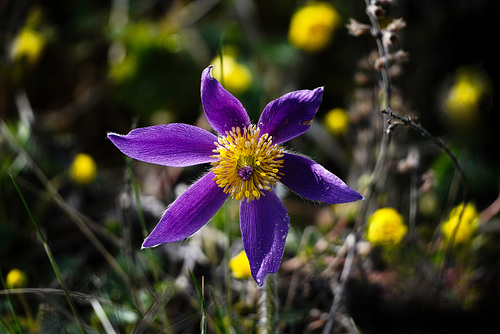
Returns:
(247,161)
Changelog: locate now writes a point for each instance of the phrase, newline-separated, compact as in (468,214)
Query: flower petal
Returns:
(190,212)
(264,226)
(290,115)
(311,180)
(222,109)
(175,145)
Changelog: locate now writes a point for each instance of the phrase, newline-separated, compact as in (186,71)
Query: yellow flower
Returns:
(15,279)
(337,121)
(467,227)
(312,26)
(28,45)
(240,266)
(83,170)
(237,77)
(464,97)
(386,227)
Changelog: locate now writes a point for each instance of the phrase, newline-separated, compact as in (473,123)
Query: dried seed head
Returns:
(396,57)
(356,28)
(400,56)
(379,64)
(389,38)
(410,163)
(375,10)
(385,2)
(362,79)
(395,71)
(396,25)
(429,181)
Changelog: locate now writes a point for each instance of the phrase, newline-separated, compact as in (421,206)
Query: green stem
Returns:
(268,305)
(227,225)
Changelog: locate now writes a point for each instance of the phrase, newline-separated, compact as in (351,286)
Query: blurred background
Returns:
(72,71)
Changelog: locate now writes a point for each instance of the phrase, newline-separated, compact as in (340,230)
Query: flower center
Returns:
(247,163)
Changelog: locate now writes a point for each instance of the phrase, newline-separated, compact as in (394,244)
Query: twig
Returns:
(393,120)
(449,249)
(435,140)
(383,53)
(386,139)
(99,311)
(309,231)
(78,297)
(490,211)
(351,251)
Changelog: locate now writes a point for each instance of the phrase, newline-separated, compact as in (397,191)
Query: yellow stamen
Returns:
(247,163)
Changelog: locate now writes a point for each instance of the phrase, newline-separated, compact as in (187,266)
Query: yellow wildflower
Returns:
(337,121)
(312,26)
(237,77)
(15,279)
(28,45)
(464,97)
(386,227)
(83,170)
(467,227)
(240,267)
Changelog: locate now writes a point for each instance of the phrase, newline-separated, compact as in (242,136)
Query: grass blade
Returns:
(53,263)
(201,296)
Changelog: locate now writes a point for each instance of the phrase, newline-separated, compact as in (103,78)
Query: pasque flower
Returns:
(247,161)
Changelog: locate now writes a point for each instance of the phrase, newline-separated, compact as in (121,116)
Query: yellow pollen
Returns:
(248,164)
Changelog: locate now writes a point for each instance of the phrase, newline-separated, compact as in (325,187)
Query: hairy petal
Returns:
(175,145)
(264,226)
(222,109)
(311,180)
(190,212)
(290,115)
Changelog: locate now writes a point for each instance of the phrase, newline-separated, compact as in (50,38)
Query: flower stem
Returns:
(351,251)
(268,306)
(227,225)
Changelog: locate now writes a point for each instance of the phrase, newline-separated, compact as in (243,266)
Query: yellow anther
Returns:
(247,163)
